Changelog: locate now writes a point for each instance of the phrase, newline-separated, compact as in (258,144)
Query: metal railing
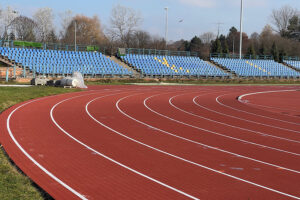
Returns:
(160,52)
(236,56)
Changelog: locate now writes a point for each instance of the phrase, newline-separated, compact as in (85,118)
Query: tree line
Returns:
(279,39)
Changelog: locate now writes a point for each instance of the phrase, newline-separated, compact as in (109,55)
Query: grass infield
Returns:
(13,183)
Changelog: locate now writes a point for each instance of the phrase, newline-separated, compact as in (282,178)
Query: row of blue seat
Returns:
(64,62)
(172,65)
(244,67)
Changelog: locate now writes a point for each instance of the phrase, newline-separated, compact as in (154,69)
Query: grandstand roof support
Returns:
(241,30)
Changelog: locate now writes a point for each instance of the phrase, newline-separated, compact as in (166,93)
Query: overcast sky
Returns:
(198,16)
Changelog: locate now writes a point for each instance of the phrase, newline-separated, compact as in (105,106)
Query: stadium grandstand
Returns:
(256,68)
(293,63)
(53,62)
(153,65)
(137,63)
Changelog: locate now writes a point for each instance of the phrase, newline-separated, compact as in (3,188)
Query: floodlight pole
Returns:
(166,33)
(241,30)
(75,34)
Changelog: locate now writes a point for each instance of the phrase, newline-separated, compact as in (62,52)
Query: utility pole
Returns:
(166,31)
(241,30)
(219,25)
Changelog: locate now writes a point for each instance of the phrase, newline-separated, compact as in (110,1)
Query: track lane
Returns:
(123,120)
(255,114)
(209,108)
(286,102)
(99,138)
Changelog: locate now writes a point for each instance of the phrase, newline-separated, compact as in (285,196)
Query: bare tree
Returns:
(124,22)
(44,20)
(207,37)
(281,17)
(7,17)
(66,19)
(24,27)
(142,39)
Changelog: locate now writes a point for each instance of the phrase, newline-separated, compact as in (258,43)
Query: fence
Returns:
(236,56)
(51,46)
(160,52)
(294,58)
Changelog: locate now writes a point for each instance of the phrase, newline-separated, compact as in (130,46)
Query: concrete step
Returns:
(224,69)
(124,65)
(290,66)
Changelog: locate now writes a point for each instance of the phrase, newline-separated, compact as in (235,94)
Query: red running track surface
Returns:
(150,142)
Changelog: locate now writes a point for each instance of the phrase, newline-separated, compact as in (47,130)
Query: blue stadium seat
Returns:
(256,68)
(63,62)
(172,65)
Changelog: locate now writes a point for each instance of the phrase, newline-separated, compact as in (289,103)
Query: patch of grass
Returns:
(13,184)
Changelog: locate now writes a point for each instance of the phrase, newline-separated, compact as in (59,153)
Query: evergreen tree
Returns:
(274,52)
(216,47)
(195,44)
(226,48)
(282,54)
(262,49)
(251,50)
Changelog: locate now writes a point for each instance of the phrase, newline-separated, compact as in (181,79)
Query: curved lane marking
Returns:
(185,160)
(237,127)
(240,98)
(33,160)
(217,100)
(106,157)
(239,118)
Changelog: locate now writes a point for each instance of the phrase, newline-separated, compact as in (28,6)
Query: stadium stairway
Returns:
(221,68)
(290,66)
(225,69)
(124,65)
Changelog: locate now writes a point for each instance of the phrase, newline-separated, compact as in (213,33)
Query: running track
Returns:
(171,142)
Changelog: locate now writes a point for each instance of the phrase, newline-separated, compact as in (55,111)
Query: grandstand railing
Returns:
(51,46)
(236,56)
(293,58)
(160,52)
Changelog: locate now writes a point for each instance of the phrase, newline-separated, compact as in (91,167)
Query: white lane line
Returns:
(257,132)
(217,100)
(33,160)
(234,117)
(192,141)
(106,157)
(240,99)
(185,160)
(255,122)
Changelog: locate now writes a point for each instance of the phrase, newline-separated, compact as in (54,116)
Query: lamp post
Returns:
(241,30)
(75,26)
(166,31)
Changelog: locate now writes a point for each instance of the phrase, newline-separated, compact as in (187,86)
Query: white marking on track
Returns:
(185,160)
(240,99)
(33,160)
(239,118)
(192,141)
(257,132)
(108,158)
(217,100)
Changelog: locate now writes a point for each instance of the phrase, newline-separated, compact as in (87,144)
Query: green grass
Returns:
(13,184)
